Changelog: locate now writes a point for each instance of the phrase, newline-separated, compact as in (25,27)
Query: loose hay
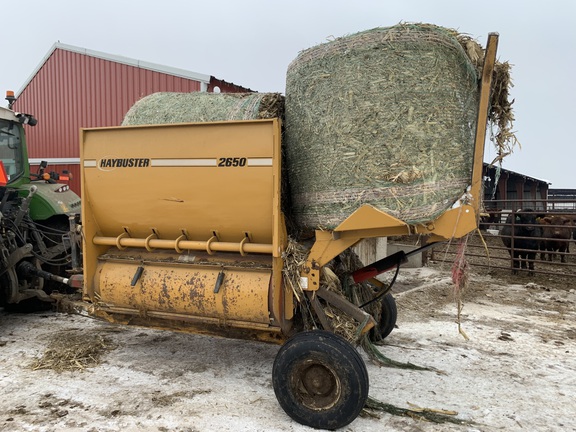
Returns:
(374,406)
(162,108)
(384,117)
(500,113)
(73,351)
(342,324)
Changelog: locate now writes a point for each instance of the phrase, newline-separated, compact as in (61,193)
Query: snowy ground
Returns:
(517,371)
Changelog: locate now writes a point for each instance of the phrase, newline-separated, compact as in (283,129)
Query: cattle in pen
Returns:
(556,233)
(521,235)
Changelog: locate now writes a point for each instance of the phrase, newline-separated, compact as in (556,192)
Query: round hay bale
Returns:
(161,108)
(385,117)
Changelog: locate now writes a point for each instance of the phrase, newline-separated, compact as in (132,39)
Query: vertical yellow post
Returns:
(484,105)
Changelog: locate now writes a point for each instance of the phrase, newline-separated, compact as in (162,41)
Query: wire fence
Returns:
(535,236)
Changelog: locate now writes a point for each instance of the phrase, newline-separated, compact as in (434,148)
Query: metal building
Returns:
(510,190)
(74,87)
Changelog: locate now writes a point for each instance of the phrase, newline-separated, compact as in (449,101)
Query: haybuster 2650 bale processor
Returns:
(183,228)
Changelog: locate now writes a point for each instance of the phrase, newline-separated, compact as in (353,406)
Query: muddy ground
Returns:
(516,371)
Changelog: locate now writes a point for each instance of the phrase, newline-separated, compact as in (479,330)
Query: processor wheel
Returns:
(388,319)
(320,380)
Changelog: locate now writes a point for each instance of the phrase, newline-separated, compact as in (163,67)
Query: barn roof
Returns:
(516,174)
(202,78)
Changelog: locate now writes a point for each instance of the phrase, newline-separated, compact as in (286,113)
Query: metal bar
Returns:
(522,269)
(387,263)
(319,310)
(379,267)
(345,306)
(481,122)
(190,318)
(540,261)
(215,246)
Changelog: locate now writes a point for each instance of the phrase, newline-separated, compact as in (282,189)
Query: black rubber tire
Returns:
(388,318)
(25,306)
(320,380)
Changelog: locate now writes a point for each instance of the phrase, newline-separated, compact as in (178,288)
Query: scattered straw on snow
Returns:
(73,351)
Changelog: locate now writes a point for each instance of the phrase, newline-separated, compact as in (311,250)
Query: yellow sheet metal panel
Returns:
(205,182)
(194,177)
(243,294)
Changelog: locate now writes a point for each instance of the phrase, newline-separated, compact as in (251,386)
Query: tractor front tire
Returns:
(320,380)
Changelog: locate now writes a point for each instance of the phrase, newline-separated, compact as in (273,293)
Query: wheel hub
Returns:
(318,386)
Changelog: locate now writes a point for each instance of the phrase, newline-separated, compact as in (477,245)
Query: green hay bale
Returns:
(162,108)
(384,117)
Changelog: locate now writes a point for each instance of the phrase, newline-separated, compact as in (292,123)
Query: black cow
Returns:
(523,242)
(492,216)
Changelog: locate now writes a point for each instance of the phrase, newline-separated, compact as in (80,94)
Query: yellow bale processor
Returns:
(183,229)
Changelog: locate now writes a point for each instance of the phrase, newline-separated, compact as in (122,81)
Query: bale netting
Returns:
(166,107)
(384,117)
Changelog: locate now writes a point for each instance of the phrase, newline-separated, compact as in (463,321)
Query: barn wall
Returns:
(511,188)
(73,90)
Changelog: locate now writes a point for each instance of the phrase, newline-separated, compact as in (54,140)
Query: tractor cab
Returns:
(13,154)
(49,200)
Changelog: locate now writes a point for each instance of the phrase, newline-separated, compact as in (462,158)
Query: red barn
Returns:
(74,87)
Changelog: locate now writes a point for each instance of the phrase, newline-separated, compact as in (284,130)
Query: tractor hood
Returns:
(51,199)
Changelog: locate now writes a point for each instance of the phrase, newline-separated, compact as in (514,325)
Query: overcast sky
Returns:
(251,43)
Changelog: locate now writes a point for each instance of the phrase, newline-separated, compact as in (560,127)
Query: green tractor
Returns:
(37,244)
